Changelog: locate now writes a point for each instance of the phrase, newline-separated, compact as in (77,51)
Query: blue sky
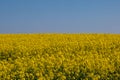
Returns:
(61,16)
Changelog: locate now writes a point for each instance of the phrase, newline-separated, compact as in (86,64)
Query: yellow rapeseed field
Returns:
(59,56)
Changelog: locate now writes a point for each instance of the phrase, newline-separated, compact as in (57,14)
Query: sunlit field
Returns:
(60,56)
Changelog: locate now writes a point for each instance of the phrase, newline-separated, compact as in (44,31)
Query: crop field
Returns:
(59,56)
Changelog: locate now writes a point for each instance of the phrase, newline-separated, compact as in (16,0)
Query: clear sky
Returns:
(61,16)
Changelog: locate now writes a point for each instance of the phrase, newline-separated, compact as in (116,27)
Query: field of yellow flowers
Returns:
(60,56)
